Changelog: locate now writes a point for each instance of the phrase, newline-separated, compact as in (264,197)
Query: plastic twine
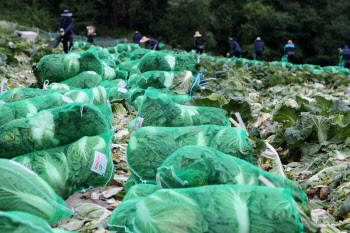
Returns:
(46,84)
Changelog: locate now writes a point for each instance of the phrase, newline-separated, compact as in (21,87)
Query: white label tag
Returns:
(139,121)
(112,55)
(104,63)
(122,90)
(67,99)
(138,72)
(122,83)
(24,167)
(91,72)
(100,163)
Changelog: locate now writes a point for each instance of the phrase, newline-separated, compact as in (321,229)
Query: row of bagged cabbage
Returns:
(65,144)
(190,171)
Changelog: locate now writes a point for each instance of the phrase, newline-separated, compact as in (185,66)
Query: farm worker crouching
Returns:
(235,49)
(137,38)
(199,42)
(259,49)
(66,30)
(90,32)
(289,51)
(346,56)
(150,43)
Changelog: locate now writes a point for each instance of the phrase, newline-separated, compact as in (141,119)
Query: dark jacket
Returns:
(199,41)
(234,47)
(346,54)
(151,43)
(67,25)
(259,46)
(289,49)
(137,38)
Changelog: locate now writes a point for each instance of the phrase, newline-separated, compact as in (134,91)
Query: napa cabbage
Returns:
(71,65)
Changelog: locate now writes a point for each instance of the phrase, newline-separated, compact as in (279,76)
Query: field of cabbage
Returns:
(175,126)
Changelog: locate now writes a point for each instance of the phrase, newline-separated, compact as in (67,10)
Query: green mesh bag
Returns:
(193,166)
(23,190)
(167,62)
(159,110)
(52,128)
(118,93)
(180,81)
(57,68)
(140,190)
(84,164)
(112,83)
(127,65)
(108,72)
(84,80)
(103,54)
(124,56)
(18,221)
(29,107)
(100,95)
(139,53)
(132,80)
(110,63)
(281,64)
(242,62)
(255,63)
(311,66)
(112,50)
(218,208)
(122,217)
(17,94)
(127,47)
(333,69)
(121,74)
(344,71)
(133,70)
(149,147)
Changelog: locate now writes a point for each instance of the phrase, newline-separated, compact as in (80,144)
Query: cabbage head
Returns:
(71,65)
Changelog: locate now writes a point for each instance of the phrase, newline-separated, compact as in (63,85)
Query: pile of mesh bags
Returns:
(127,65)
(83,164)
(84,80)
(52,128)
(57,68)
(214,208)
(149,147)
(167,62)
(157,109)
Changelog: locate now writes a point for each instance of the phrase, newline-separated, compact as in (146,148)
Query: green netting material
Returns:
(23,190)
(57,68)
(29,107)
(121,74)
(139,53)
(103,54)
(118,93)
(281,64)
(52,128)
(127,65)
(132,80)
(193,166)
(159,110)
(140,190)
(84,80)
(149,147)
(15,94)
(180,81)
(133,70)
(112,83)
(215,208)
(122,217)
(127,47)
(167,62)
(84,164)
(108,72)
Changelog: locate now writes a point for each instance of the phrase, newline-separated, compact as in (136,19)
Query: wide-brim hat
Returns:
(66,13)
(197,34)
(144,39)
(258,38)
(136,32)
(290,41)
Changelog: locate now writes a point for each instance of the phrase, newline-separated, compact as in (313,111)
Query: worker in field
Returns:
(90,32)
(150,43)
(345,53)
(235,49)
(199,42)
(66,30)
(137,38)
(289,51)
(259,49)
